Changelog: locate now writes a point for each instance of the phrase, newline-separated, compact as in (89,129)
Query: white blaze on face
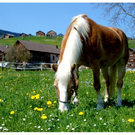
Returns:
(63,97)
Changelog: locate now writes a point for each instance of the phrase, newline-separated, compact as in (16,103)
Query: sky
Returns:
(31,17)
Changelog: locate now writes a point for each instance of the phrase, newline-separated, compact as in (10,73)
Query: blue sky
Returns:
(31,17)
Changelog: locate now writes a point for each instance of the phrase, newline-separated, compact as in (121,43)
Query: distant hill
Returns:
(3,32)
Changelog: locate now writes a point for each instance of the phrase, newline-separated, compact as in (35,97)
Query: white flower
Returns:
(104,123)
(84,120)
(48,128)
(100,118)
(73,129)
(70,123)
(67,126)
(57,119)
(24,119)
(94,125)
(123,120)
(72,115)
(5,129)
(3,124)
(39,126)
(96,112)
(53,125)
(41,129)
(0,127)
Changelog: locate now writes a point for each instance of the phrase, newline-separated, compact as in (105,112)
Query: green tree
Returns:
(18,53)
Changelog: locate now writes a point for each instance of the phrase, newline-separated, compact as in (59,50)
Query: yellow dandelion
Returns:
(0,100)
(87,92)
(34,91)
(27,94)
(55,102)
(81,113)
(31,106)
(109,106)
(32,97)
(39,109)
(37,96)
(131,120)
(49,102)
(12,112)
(35,108)
(43,116)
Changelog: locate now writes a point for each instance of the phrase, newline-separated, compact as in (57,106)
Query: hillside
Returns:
(43,40)
(3,32)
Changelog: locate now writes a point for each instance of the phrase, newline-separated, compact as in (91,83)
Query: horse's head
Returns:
(65,84)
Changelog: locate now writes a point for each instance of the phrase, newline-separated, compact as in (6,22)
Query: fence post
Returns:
(41,66)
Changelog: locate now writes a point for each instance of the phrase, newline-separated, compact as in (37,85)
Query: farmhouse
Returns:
(3,49)
(131,60)
(9,36)
(41,52)
(40,33)
(23,35)
(51,33)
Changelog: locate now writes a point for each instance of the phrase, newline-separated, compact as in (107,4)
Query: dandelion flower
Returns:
(27,94)
(55,102)
(39,109)
(81,113)
(0,100)
(43,116)
(131,120)
(12,112)
(87,92)
(49,102)
(35,108)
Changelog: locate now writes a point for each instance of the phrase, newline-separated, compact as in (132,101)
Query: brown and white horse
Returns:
(98,47)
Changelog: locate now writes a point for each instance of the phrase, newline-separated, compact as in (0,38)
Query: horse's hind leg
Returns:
(121,73)
(105,74)
(96,74)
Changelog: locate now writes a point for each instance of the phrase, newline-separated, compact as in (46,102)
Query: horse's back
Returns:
(109,44)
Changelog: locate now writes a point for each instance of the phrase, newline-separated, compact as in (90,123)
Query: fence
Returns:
(26,66)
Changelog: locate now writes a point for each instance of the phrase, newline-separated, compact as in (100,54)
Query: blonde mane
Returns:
(73,48)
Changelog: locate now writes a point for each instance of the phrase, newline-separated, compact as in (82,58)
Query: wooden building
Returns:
(40,33)
(3,50)
(7,36)
(41,52)
(51,33)
(131,60)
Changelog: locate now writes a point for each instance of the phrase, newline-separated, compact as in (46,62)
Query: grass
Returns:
(28,103)
(42,40)
(46,40)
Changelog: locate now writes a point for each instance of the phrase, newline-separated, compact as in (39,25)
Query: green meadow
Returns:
(28,103)
(43,40)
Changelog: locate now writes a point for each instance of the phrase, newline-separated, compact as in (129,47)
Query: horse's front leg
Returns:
(75,94)
(97,86)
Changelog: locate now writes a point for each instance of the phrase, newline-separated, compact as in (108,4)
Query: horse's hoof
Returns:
(119,103)
(100,106)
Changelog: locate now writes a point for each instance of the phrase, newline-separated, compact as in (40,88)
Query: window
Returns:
(131,54)
(53,57)
(131,59)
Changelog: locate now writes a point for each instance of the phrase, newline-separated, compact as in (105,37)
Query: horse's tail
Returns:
(112,79)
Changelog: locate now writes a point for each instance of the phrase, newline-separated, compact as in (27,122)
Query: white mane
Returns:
(73,48)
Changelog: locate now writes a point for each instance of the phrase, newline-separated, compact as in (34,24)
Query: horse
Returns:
(101,48)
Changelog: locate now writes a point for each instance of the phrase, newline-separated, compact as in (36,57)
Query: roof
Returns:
(3,48)
(39,31)
(33,46)
(133,50)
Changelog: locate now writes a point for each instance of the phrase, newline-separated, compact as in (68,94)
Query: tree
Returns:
(18,53)
(120,14)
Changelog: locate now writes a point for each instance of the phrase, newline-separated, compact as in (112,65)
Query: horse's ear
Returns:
(54,67)
(73,67)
